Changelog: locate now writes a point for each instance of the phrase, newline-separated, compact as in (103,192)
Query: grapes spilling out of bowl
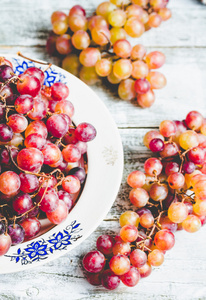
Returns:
(97,47)
(42,154)
(169,195)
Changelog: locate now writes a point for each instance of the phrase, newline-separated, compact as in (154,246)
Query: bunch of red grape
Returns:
(97,46)
(170,195)
(42,153)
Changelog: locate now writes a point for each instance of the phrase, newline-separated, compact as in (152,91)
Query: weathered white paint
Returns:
(24,26)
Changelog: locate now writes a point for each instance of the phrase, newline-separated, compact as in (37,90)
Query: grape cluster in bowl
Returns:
(42,154)
(169,195)
(97,47)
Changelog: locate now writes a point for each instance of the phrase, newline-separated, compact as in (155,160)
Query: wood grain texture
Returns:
(24,26)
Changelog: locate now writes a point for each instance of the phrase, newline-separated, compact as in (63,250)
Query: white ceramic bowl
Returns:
(105,167)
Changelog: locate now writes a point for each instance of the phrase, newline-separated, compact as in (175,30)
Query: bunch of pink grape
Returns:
(97,46)
(169,196)
(42,153)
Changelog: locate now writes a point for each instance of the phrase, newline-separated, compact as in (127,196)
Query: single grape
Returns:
(59,91)
(9,183)
(57,125)
(117,18)
(85,132)
(64,44)
(150,135)
(30,159)
(146,100)
(71,153)
(134,27)
(191,224)
(164,239)
(31,227)
(94,262)
(5,243)
(158,192)
(131,278)
(122,68)
(60,27)
(119,264)
(101,35)
(188,139)
(77,10)
(117,33)
(104,8)
(58,16)
(138,52)
(80,39)
(146,220)
(128,233)
(142,86)
(153,166)
(155,60)
(38,73)
(51,153)
(6,72)
(138,197)
(194,120)
(145,271)
(22,203)
(17,123)
(37,127)
(29,183)
(71,184)
(78,172)
(156,79)
(71,64)
(122,48)
(6,133)
(177,212)
(103,67)
(97,21)
(89,75)
(138,258)
(156,258)
(121,247)
(109,280)
(64,107)
(105,244)
(29,85)
(77,22)
(139,69)
(38,111)
(136,179)
(59,214)
(16,233)
(89,56)
(156,145)
(47,199)
(176,180)
(126,89)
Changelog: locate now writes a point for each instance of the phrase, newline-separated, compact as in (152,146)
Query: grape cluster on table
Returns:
(169,195)
(42,154)
(97,47)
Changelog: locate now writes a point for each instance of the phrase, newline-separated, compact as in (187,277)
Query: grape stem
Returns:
(36,61)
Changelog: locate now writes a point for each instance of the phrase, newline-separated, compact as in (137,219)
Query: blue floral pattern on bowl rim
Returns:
(39,250)
(51,76)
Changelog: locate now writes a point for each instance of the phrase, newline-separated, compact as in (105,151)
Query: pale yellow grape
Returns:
(103,67)
(177,212)
(165,13)
(129,218)
(117,33)
(199,208)
(188,139)
(117,18)
(71,64)
(113,79)
(154,20)
(122,68)
(80,39)
(191,224)
(156,258)
(134,27)
(126,90)
(104,8)
(88,75)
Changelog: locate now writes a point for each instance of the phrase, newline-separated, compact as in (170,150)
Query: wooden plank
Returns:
(33,20)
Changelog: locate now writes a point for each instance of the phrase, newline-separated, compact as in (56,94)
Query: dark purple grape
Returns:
(156,145)
(5,156)
(16,233)
(168,201)
(6,73)
(188,167)
(2,227)
(66,197)
(6,133)
(79,172)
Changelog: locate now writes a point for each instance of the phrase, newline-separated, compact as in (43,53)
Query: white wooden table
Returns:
(24,27)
